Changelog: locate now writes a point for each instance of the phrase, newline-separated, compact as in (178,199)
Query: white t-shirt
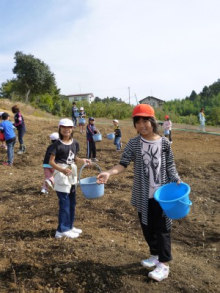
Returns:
(151,154)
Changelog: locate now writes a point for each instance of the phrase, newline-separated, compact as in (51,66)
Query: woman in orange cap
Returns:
(153,167)
(167,126)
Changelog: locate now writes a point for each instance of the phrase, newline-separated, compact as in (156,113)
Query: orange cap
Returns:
(143,110)
(167,116)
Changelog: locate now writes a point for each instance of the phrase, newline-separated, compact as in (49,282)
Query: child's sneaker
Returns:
(7,164)
(160,273)
(76,230)
(69,234)
(95,160)
(150,262)
(49,183)
(43,190)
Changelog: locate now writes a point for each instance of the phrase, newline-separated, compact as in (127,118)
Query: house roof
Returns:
(151,98)
(76,95)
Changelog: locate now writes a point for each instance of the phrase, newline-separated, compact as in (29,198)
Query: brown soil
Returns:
(106,257)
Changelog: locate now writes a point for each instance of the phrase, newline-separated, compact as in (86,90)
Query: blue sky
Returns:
(155,47)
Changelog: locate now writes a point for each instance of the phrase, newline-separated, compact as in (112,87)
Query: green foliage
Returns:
(33,76)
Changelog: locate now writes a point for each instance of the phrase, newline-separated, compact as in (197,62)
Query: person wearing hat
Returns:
(63,158)
(153,167)
(117,132)
(91,146)
(167,126)
(82,114)
(48,170)
(8,129)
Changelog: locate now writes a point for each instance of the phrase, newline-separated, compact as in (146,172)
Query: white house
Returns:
(154,102)
(81,97)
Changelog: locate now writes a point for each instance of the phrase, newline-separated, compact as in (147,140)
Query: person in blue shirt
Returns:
(91,147)
(8,129)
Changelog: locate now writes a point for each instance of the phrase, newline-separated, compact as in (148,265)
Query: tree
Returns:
(33,76)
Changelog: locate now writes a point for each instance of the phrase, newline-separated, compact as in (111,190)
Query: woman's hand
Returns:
(102,178)
(86,161)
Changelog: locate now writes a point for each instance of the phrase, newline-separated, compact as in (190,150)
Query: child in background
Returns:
(20,125)
(74,117)
(167,126)
(63,156)
(202,120)
(8,129)
(2,137)
(153,167)
(48,170)
(117,132)
(82,114)
(91,147)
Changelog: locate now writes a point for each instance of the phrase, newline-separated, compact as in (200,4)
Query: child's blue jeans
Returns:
(67,203)
(117,142)
(10,151)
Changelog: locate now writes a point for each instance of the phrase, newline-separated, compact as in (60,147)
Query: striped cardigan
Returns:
(140,190)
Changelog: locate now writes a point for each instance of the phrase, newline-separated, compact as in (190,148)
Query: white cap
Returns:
(65,122)
(54,136)
(1,114)
(115,120)
(81,109)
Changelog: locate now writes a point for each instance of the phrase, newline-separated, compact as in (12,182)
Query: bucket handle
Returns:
(189,203)
(80,172)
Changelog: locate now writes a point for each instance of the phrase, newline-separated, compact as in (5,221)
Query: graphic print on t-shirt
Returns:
(150,156)
(70,158)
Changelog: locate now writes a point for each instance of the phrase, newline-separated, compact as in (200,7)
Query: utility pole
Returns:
(129,94)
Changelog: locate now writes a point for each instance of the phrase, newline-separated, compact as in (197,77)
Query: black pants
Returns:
(91,149)
(169,135)
(155,233)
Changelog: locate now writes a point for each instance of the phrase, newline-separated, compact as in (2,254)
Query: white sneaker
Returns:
(160,273)
(150,262)
(76,230)
(69,234)
(43,190)
(49,183)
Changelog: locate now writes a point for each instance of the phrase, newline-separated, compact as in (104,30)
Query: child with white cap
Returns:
(63,158)
(48,170)
(117,131)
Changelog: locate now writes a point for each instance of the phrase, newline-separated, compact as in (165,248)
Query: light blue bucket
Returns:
(76,114)
(82,120)
(97,137)
(174,199)
(166,132)
(89,187)
(110,136)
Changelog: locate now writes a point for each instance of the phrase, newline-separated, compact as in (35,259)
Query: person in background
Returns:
(20,125)
(74,114)
(63,158)
(167,126)
(202,120)
(2,137)
(48,170)
(91,146)
(117,132)
(82,114)
(8,129)
(153,167)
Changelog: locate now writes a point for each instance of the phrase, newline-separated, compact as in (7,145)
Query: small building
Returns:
(154,102)
(81,97)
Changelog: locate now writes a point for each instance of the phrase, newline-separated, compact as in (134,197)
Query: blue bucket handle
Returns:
(80,172)
(186,203)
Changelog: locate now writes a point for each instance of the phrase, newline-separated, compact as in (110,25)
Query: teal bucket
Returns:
(110,136)
(89,187)
(174,200)
(97,137)
(82,120)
